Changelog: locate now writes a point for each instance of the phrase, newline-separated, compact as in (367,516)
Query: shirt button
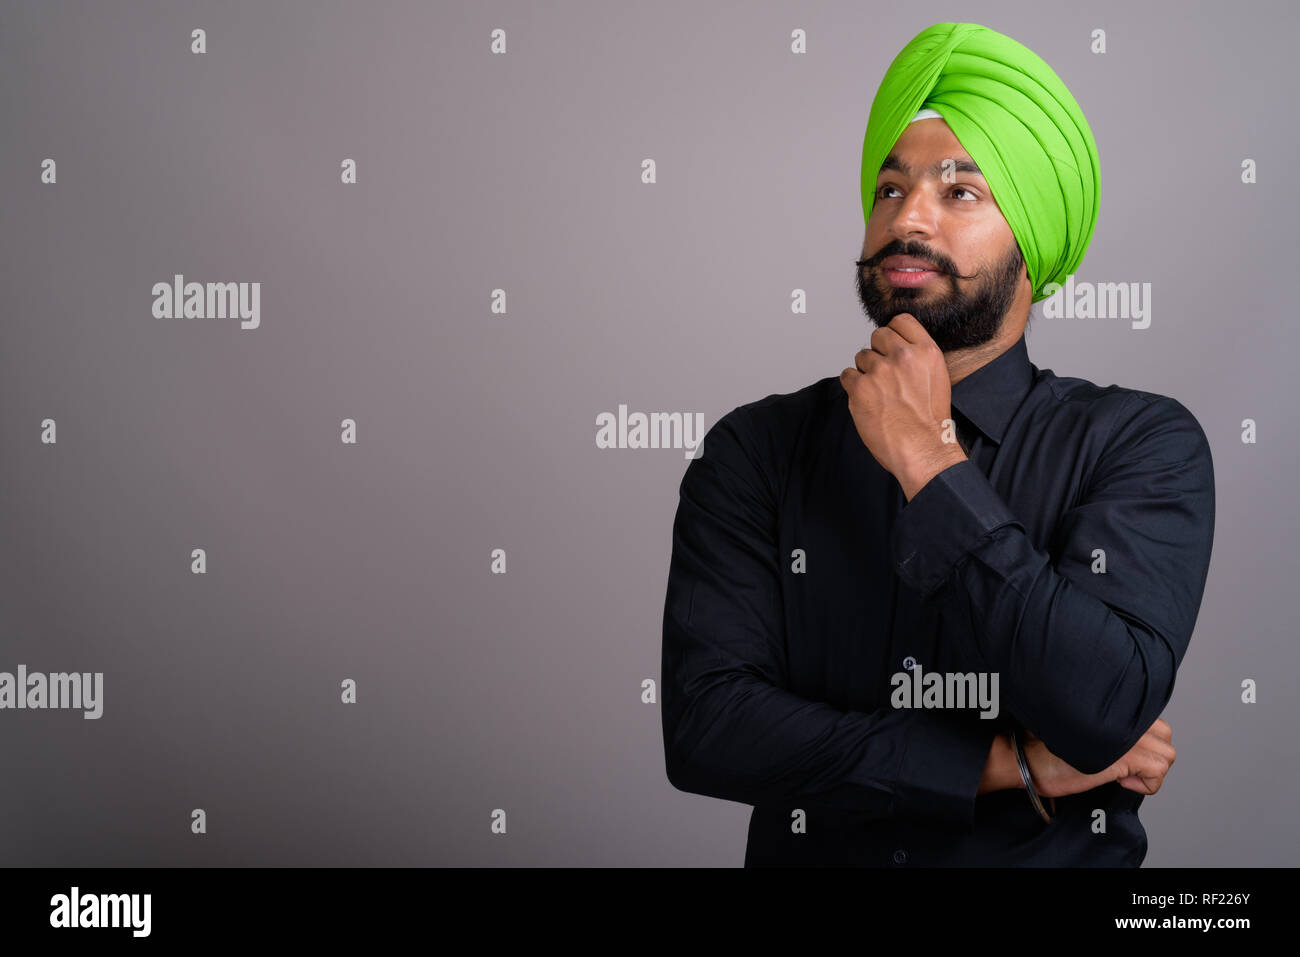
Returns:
(900,857)
(909,662)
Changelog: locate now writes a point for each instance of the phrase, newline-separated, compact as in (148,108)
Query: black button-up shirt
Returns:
(1068,555)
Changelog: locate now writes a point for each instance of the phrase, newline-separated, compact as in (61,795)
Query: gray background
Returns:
(477,431)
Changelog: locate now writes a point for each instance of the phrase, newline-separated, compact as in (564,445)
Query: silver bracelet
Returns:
(1023,762)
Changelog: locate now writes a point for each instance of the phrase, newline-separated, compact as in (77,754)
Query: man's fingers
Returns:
(1162,729)
(1144,768)
(906,326)
(1139,784)
(864,357)
(1158,747)
(887,339)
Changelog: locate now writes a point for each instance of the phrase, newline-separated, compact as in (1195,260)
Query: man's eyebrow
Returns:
(958,166)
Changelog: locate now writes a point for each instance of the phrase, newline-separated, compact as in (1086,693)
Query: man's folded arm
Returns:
(731,728)
(1086,658)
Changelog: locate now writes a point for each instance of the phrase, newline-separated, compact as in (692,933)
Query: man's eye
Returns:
(963,189)
(880,190)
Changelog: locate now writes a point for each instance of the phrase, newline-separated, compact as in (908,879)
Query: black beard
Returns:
(954,320)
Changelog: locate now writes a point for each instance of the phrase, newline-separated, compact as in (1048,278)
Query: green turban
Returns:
(1018,122)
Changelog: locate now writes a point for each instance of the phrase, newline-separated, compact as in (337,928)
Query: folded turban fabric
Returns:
(1018,122)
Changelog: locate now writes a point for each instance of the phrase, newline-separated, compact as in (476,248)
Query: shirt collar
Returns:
(990,395)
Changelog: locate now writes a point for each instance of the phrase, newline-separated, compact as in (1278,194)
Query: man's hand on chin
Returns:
(900,398)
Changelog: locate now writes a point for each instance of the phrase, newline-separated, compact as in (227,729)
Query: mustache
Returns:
(942,264)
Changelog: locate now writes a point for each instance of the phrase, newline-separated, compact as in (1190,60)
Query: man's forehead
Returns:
(929,134)
(924,146)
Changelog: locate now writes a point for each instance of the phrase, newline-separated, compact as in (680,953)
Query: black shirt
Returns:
(1068,555)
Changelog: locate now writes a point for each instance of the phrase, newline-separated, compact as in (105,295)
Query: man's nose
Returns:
(916,216)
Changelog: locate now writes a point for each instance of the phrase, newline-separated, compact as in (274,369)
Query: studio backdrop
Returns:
(325,526)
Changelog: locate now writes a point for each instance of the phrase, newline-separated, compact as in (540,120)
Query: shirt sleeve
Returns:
(732,729)
(1086,646)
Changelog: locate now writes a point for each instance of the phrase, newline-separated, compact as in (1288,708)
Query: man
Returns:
(944,507)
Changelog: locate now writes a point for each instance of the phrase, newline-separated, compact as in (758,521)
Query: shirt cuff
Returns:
(942,767)
(943,522)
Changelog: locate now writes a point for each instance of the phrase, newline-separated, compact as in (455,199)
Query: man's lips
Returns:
(909,270)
